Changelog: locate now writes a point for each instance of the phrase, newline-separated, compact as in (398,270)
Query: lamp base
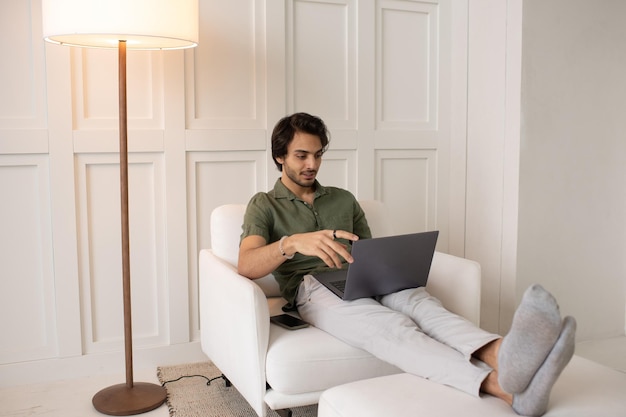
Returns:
(120,400)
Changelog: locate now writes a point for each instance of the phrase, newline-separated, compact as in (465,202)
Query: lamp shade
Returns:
(143,24)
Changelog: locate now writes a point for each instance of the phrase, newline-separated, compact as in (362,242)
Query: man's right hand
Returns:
(322,244)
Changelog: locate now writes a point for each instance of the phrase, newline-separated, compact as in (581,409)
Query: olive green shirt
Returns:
(279,213)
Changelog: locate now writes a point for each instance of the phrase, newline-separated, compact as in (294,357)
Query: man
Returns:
(301,227)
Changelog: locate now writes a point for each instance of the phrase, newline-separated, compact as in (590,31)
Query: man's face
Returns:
(303,159)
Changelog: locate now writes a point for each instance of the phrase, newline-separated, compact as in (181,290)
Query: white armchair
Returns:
(281,368)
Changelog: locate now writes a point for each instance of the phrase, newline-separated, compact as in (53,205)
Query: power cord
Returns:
(208,380)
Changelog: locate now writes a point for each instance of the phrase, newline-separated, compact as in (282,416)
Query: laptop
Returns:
(383,265)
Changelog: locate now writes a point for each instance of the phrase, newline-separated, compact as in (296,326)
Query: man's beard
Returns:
(302,182)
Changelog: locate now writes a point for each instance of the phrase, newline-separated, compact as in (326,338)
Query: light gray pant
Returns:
(409,329)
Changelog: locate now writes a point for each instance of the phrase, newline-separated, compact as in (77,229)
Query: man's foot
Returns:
(534,331)
(534,400)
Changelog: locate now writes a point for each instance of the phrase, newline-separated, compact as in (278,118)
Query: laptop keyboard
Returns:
(340,285)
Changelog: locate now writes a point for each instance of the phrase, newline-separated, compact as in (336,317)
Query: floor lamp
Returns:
(123,24)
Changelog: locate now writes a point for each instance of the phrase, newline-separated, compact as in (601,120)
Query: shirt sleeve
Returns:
(257,220)
(361,227)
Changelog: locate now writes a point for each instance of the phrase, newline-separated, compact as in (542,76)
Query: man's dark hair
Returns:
(287,127)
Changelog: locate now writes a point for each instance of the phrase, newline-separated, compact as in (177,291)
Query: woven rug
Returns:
(196,390)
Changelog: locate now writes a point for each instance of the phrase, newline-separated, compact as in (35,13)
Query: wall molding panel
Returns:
(339,169)
(323,80)
(216,178)
(417,169)
(23,70)
(26,256)
(407,51)
(100,251)
(225,75)
(94,88)
(22,80)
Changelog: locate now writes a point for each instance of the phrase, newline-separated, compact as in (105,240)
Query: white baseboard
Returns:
(98,364)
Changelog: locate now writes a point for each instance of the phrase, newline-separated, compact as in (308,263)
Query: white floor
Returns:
(72,398)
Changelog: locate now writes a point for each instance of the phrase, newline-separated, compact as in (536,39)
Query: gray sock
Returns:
(534,400)
(535,328)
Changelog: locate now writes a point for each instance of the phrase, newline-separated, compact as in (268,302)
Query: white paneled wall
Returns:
(26,259)
(389,77)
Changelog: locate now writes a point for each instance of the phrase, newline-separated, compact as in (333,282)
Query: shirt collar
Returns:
(280,191)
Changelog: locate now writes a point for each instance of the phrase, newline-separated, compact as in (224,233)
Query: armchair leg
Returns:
(226,381)
(285,412)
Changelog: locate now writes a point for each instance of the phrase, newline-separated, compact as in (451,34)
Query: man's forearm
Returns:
(257,262)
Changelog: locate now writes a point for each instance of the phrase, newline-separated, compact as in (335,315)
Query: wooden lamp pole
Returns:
(129,398)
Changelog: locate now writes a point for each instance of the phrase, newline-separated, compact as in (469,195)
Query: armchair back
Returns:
(446,271)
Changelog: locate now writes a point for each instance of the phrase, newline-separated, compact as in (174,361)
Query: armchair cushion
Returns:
(309,360)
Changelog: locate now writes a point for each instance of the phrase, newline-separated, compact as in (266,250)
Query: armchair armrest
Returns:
(456,282)
(234,324)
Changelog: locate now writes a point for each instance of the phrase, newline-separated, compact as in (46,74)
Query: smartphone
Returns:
(289,322)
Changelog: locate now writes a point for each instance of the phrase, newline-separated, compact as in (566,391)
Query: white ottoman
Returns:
(585,389)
